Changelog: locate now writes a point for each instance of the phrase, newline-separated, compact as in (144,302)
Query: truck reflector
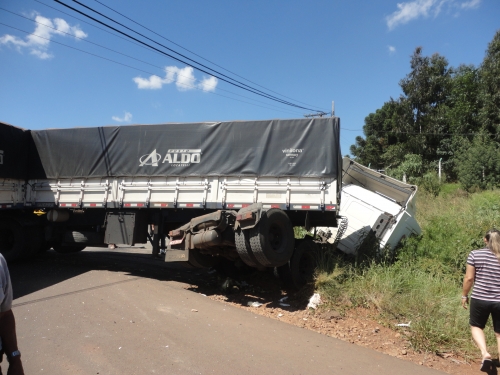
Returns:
(133,205)
(68,204)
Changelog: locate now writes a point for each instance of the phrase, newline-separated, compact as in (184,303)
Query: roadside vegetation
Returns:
(420,282)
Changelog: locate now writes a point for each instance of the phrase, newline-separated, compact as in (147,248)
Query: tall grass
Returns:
(421,281)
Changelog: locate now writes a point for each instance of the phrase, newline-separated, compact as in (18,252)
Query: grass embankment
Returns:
(422,281)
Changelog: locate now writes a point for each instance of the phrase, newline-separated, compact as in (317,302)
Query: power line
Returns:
(248,88)
(440,134)
(132,67)
(418,133)
(201,57)
(131,57)
(142,46)
(90,24)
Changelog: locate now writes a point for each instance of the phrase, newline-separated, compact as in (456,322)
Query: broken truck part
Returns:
(373,204)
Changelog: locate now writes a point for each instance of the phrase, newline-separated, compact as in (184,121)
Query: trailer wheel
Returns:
(199,260)
(66,249)
(244,249)
(16,241)
(303,263)
(272,239)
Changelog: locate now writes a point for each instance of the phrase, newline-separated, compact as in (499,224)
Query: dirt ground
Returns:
(264,296)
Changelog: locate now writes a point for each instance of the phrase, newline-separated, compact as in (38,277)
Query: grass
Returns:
(421,282)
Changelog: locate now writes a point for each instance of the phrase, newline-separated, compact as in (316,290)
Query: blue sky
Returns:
(352,52)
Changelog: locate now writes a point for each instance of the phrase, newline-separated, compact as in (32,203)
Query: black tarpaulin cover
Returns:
(14,151)
(301,147)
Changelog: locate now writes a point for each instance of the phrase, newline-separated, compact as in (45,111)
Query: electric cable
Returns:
(254,91)
(131,57)
(417,133)
(142,46)
(90,24)
(201,57)
(132,67)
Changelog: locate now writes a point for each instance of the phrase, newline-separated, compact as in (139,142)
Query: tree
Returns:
(462,113)
(489,74)
(407,125)
(479,164)
(443,113)
(426,89)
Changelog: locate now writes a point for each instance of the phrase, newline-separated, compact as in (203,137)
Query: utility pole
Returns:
(439,173)
(333,108)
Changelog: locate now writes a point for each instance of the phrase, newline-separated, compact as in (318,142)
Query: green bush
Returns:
(430,183)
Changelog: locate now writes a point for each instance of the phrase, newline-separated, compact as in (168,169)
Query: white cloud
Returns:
(208,84)
(391,49)
(38,42)
(152,83)
(409,11)
(126,117)
(41,54)
(412,10)
(470,4)
(184,80)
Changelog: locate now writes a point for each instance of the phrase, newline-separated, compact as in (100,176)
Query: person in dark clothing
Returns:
(483,271)
(8,338)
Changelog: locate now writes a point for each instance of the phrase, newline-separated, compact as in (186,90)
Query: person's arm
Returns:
(470,273)
(9,342)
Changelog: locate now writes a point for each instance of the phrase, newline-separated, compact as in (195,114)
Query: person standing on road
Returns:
(483,270)
(8,338)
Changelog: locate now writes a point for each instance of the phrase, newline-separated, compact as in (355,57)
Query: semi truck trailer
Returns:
(206,192)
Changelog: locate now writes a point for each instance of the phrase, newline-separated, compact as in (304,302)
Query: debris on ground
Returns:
(314,301)
(404,324)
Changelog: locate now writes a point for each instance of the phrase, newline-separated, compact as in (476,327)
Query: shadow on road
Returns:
(52,268)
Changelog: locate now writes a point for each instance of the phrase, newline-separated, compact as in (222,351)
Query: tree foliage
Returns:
(443,114)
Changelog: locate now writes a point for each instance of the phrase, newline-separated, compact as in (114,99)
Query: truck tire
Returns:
(272,239)
(16,242)
(244,249)
(199,260)
(66,249)
(303,263)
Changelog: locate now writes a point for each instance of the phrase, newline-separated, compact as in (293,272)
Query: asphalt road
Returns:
(122,312)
